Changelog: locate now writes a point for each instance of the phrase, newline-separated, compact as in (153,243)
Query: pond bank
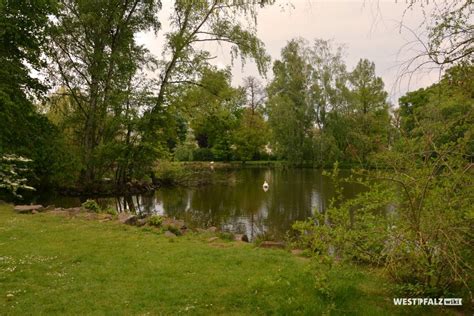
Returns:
(70,265)
(171,227)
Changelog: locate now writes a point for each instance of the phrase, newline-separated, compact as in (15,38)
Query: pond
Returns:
(238,203)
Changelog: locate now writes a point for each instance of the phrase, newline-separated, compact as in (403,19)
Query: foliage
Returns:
(155,220)
(251,136)
(168,173)
(227,236)
(22,44)
(290,117)
(320,112)
(91,205)
(23,130)
(185,151)
(173,229)
(416,218)
(95,58)
(213,109)
(449,38)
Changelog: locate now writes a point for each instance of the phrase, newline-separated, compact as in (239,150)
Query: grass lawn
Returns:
(52,264)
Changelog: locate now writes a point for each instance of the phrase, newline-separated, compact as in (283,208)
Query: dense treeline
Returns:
(104,118)
(96,115)
(321,113)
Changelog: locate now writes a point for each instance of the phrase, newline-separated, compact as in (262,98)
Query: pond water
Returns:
(237,202)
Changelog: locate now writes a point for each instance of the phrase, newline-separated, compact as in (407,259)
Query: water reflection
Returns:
(241,205)
(238,204)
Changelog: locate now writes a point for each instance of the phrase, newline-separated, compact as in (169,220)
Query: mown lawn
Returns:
(52,264)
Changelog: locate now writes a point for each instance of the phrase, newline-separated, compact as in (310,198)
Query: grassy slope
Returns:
(58,265)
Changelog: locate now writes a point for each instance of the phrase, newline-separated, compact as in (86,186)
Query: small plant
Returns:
(155,220)
(111,211)
(175,230)
(226,236)
(91,205)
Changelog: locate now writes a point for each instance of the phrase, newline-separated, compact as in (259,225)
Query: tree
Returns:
(290,116)
(213,109)
(255,93)
(445,37)
(368,111)
(23,130)
(124,115)
(211,21)
(95,58)
(443,110)
(310,83)
(251,136)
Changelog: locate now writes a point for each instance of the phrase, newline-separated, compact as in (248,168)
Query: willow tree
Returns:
(213,21)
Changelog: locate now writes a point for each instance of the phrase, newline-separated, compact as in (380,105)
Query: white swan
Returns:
(265,186)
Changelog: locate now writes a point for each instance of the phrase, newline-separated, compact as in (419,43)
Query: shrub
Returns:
(91,205)
(226,236)
(175,230)
(168,173)
(414,222)
(111,211)
(155,220)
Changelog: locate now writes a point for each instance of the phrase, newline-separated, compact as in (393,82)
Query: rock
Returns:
(212,229)
(179,224)
(169,234)
(212,239)
(141,222)
(74,209)
(49,208)
(241,237)
(34,212)
(10,295)
(272,244)
(25,209)
(132,220)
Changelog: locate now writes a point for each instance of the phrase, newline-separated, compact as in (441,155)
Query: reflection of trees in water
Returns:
(290,199)
(241,205)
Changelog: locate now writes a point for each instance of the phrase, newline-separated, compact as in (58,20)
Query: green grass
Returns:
(59,265)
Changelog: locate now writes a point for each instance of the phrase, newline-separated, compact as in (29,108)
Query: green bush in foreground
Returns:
(415,223)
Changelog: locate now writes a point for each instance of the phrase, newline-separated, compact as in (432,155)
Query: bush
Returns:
(183,153)
(226,236)
(111,211)
(155,220)
(415,223)
(91,205)
(168,173)
(175,230)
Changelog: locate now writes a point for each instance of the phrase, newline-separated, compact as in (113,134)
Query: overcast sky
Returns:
(368,29)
